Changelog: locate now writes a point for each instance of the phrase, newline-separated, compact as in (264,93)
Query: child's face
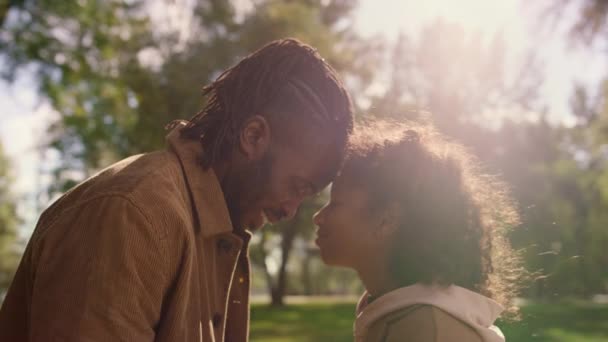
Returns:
(347,234)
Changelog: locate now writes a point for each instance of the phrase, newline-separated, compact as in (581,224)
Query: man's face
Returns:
(272,187)
(287,177)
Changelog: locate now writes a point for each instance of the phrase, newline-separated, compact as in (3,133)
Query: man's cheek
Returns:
(276,192)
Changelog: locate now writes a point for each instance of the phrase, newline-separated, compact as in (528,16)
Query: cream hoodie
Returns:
(477,311)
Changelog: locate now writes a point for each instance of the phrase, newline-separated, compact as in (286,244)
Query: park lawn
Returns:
(318,321)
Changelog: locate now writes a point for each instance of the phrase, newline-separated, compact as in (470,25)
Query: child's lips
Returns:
(321,235)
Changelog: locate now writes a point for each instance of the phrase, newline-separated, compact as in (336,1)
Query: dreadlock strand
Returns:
(250,86)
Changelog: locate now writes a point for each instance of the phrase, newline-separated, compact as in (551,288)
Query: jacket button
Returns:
(216,320)
(224,245)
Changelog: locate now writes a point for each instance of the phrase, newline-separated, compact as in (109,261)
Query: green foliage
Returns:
(80,50)
(9,220)
(584,169)
(115,79)
(555,173)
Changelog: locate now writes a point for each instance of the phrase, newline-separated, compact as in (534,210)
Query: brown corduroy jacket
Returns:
(143,251)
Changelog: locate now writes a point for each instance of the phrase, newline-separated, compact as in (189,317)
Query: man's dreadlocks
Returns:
(287,82)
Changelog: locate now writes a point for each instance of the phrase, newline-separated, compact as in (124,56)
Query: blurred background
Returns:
(521,83)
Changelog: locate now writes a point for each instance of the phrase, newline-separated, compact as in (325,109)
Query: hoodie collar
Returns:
(472,308)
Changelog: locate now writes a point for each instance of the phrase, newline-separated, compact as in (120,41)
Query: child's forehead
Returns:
(344,183)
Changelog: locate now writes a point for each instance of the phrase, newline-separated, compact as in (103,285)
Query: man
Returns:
(154,248)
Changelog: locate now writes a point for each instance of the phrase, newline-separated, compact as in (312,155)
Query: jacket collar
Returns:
(203,185)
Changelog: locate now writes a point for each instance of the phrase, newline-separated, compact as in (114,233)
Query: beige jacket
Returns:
(420,313)
(143,251)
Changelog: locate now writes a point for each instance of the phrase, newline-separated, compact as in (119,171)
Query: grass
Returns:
(567,321)
(319,321)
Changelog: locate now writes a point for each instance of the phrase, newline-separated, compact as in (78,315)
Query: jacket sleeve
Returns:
(100,275)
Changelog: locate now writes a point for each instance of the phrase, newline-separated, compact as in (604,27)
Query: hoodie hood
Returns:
(477,311)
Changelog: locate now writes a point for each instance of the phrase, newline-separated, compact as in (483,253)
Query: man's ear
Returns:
(254,138)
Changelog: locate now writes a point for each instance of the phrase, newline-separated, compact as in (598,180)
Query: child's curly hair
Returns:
(453,217)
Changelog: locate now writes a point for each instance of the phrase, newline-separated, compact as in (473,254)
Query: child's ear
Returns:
(389,220)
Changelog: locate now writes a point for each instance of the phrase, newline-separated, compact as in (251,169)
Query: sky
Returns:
(24,116)
(522,29)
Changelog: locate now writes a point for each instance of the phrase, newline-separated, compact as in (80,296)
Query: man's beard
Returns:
(244,186)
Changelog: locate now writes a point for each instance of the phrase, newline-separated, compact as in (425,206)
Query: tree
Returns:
(459,78)
(9,220)
(116,81)
(585,185)
(6,5)
(286,234)
(467,94)
(589,22)
(116,77)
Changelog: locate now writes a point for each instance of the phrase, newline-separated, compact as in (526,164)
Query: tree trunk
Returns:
(288,235)
(580,235)
(267,275)
(581,244)
(306,276)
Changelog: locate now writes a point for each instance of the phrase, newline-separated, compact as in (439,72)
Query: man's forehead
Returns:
(317,165)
